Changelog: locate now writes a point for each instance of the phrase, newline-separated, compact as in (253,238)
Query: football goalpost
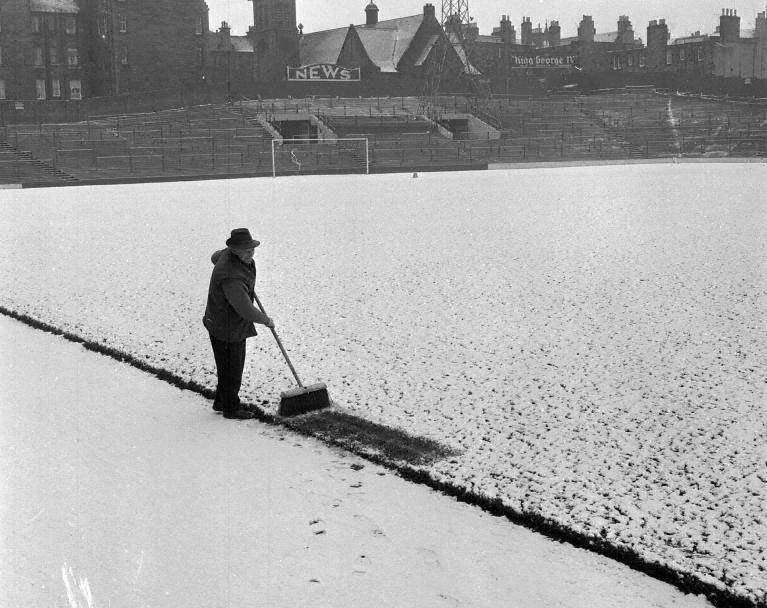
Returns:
(308,155)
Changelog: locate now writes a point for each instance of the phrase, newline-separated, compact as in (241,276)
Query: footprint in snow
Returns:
(449,600)
(362,565)
(317,526)
(428,556)
(375,530)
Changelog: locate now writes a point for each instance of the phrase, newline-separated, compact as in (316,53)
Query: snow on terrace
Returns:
(589,340)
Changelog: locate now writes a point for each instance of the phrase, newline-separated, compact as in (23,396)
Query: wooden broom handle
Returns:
(279,343)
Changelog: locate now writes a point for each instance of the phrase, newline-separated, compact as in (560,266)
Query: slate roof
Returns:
(430,42)
(322,47)
(606,37)
(240,44)
(468,68)
(53,6)
(385,43)
(690,39)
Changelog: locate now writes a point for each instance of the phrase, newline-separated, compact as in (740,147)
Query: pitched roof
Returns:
(53,6)
(606,37)
(322,47)
(430,42)
(460,49)
(239,44)
(385,42)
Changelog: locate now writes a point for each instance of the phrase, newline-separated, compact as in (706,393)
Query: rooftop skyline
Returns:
(683,17)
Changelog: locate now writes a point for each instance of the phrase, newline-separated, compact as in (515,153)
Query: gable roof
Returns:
(460,49)
(53,6)
(322,47)
(430,42)
(385,42)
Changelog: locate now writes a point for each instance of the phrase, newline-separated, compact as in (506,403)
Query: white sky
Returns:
(683,17)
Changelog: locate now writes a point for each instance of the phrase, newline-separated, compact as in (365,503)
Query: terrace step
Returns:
(48,172)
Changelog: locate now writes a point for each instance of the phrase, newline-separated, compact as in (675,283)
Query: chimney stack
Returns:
(371,14)
(729,26)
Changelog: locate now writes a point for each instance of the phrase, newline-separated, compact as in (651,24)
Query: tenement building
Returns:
(539,58)
(730,57)
(70,49)
(41,50)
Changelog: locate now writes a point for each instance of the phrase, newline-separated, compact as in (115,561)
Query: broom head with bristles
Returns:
(304,399)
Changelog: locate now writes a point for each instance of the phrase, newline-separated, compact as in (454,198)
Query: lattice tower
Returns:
(455,9)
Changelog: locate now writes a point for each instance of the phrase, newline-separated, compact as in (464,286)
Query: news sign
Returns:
(323,72)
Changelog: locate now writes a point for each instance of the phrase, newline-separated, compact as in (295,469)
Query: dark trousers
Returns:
(230,361)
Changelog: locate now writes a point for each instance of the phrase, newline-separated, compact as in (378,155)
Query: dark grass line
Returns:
(131,360)
(359,442)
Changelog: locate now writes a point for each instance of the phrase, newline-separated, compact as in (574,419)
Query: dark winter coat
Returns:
(229,313)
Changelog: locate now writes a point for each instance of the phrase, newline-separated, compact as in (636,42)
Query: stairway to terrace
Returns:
(22,167)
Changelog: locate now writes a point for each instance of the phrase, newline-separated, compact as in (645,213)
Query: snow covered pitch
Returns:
(588,340)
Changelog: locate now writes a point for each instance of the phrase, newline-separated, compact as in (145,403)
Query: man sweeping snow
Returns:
(230,317)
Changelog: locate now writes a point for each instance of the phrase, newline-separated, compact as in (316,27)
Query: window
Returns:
(38,59)
(53,55)
(56,87)
(123,21)
(642,61)
(2,89)
(102,25)
(681,54)
(700,53)
(198,26)
(669,58)
(631,61)
(70,25)
(124,55)
(1,55)
(75,89)
(40,88)
(36,24)
(73,57)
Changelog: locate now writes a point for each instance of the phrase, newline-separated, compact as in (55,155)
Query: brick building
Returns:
(231,60)
(40,50)
(730,60)
(69,49)
(275,38)
(727,55)
(541,59)
(411,54)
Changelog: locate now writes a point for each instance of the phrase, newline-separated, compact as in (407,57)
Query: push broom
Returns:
(303,399)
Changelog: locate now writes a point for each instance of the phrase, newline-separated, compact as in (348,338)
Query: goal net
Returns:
(342,155)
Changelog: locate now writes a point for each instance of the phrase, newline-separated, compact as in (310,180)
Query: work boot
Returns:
(240,414)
